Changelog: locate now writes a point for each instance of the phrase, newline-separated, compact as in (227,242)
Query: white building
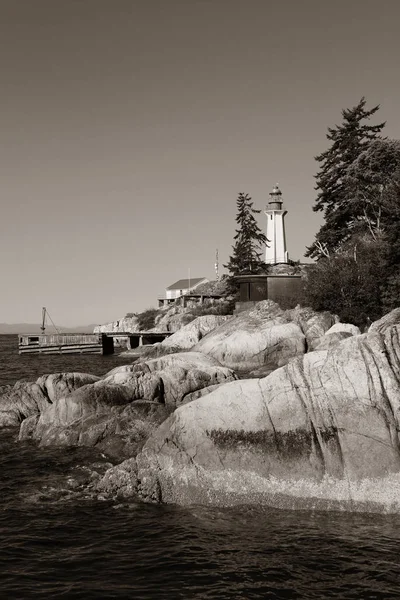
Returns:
(275,251)
(180,288)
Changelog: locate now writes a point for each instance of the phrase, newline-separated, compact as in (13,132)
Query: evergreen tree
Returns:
(350,283)
(374,183)
(335,191)
(249,239)
(361,280)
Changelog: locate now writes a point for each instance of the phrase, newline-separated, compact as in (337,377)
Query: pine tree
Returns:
(374,180)
(249,239)
(335,191)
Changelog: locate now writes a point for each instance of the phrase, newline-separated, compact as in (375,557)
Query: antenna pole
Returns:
(216,265)
(43,327)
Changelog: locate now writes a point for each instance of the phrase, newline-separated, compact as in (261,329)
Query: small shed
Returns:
(286,290)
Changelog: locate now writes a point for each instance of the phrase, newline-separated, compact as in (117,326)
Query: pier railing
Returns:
(59,339)
(174,294)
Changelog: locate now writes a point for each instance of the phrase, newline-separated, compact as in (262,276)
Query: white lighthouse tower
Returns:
(275,251)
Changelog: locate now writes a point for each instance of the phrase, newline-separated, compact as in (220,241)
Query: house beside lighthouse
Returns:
(282,280)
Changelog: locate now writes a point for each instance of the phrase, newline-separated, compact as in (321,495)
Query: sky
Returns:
(129,127)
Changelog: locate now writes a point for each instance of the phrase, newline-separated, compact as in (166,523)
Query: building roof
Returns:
(185,284)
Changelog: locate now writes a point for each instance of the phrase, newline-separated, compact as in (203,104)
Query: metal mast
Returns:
(43,327)
(216,265)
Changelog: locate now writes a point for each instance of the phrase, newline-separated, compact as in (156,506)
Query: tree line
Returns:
(357,249)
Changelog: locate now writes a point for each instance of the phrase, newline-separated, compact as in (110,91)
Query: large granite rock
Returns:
(334,335)
(313,324)
(95,414)
(331,340)
(30,398)
(183,339)
(169,379)
(391,318)
(344,328)
(173,319)
(119,430)
(262,337)
(123,325)
(191,334)
(167,319)
(320,432)
(119,481)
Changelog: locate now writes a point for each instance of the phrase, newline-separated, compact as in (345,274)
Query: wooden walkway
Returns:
(140,338)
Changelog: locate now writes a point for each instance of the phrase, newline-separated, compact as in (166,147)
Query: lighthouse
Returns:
(275,251)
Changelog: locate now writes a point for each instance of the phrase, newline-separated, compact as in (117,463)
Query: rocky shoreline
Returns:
(290,409)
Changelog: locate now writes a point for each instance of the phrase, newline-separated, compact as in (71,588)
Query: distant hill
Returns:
(13,328)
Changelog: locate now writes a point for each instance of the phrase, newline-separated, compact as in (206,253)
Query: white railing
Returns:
(174,294)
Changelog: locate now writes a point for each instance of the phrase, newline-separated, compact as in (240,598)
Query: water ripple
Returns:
(58,541)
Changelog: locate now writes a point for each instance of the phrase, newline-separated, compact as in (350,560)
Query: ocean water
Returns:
(59,541)
(29,367)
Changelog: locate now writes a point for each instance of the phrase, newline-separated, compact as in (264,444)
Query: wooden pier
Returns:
(140,338)
(84,343)
(71,343)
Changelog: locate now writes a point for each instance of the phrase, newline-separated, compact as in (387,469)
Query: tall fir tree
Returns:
(249,239)
(335,191)
(373,181)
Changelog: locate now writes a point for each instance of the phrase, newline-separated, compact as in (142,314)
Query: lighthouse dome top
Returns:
(275,198)
(276,191)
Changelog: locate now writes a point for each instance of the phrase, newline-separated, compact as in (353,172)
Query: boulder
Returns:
(183,339)
(120,431)
(168,379)
(90,416)
(59,385)
(392,318)
(259,340)
(263,337)
(28,426)
(124,435)
(120,480)
(331,340)
(176,316)
(267,309)
(173,319)
(200,393)
(191,334)
(123,325)
(94,399)
(313,324)
(334,335)
(344,327)
(93,415)
(320,432)
(29,398)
